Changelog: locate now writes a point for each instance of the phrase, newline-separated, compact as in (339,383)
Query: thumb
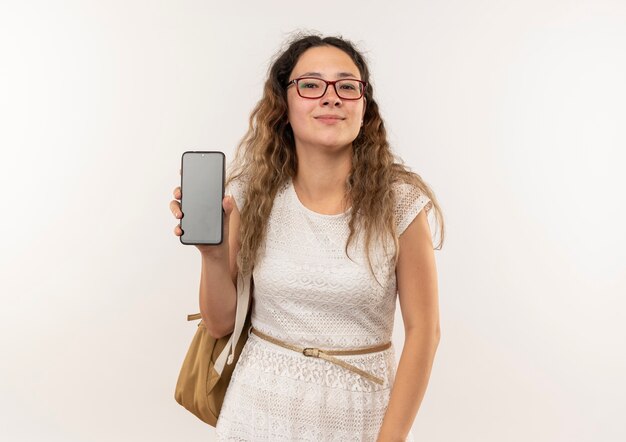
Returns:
(228,203)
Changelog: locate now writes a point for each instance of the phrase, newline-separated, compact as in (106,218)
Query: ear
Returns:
(364,107)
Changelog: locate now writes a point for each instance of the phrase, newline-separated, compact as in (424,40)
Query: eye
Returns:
(308,84)
(348,86)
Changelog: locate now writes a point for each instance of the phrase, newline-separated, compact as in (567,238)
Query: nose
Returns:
(331,96)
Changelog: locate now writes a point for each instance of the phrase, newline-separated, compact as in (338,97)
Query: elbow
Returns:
(215,334)
(436,339)
(216,330)
(430,336)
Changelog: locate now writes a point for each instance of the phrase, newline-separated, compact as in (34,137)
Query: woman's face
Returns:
(328,122)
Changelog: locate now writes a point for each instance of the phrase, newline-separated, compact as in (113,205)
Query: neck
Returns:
(320,181)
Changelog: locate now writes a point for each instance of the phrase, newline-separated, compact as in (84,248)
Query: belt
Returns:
(327,355)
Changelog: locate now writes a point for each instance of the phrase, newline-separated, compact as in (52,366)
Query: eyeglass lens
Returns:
(315,88)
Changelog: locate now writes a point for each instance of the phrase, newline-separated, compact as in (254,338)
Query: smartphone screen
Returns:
(202,191)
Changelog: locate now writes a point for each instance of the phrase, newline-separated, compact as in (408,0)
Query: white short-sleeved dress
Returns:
(308,292)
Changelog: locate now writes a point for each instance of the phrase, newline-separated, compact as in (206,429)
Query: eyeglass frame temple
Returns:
(328,83)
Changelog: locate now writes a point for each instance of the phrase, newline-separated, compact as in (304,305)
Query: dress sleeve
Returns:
(410,200)
(236,189)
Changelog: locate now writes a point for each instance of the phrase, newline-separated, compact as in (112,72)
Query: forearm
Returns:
(410,385)
(218,296)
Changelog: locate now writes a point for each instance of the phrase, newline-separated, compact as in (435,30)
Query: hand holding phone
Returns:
(218,252)
(202,194)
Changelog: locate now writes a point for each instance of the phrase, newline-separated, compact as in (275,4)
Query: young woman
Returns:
(333,230)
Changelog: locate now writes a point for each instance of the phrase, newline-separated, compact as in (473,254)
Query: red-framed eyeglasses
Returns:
(314,87)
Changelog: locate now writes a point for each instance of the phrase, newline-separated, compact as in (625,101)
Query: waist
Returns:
(328,354)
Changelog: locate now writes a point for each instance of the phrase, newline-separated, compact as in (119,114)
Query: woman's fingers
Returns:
(227,203)
(175,209)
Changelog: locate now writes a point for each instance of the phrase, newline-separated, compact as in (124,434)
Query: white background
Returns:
(513,111)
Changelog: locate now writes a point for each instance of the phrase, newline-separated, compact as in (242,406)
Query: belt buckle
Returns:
(311,352)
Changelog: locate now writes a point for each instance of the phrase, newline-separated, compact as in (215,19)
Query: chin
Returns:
(330,142)
(335,144)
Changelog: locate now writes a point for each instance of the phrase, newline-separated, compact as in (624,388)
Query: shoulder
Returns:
(240,188)
(410,199)
(237,188)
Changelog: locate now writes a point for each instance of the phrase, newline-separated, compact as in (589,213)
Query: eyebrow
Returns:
(339,75)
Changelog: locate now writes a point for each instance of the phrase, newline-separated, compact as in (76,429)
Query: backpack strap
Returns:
(243,301)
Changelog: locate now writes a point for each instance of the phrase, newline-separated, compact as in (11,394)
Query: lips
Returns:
(329,117)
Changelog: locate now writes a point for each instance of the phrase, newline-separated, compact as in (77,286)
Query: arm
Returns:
(218,280)
(417,291)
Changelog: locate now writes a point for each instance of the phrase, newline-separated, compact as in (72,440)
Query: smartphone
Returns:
(202,191)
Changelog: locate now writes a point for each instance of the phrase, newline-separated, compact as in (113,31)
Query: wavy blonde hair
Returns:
(266,159)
